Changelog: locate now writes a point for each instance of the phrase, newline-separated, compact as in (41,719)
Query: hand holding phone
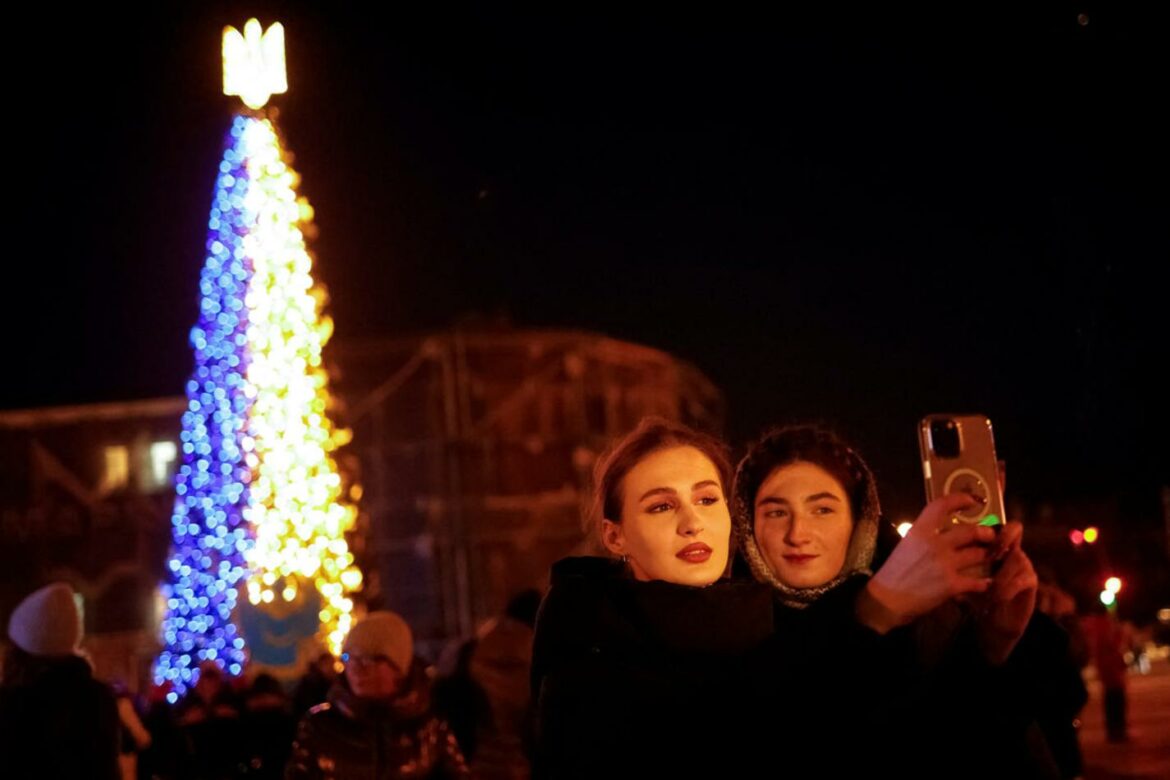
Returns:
(958,456)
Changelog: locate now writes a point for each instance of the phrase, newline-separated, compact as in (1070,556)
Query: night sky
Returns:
(856,219)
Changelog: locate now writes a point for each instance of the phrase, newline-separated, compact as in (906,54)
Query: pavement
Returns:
(1146,754)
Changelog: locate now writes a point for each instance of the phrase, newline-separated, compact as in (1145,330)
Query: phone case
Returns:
(973,470)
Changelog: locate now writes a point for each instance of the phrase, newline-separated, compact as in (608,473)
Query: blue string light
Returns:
(208,528)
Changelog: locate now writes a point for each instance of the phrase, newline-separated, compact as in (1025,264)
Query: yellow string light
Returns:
(298,510)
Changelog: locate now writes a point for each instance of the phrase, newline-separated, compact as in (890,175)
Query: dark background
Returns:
(850,217)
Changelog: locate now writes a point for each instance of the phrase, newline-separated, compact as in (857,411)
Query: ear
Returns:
(613,537)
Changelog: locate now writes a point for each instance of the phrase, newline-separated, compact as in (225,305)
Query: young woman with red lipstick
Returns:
(806,517)
(636,650)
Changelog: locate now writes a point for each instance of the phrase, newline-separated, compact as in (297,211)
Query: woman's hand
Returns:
(927,567)
(1008,605)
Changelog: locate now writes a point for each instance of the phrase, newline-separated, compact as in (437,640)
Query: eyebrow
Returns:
(672,492)
(658,491)
(819,496)
(783,501)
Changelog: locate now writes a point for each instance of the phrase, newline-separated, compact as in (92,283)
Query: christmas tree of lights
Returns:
(259,502)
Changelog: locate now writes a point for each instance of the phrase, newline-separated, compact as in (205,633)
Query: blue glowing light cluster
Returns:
(210,535)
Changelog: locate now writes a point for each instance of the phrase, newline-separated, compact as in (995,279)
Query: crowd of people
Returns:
(729,616)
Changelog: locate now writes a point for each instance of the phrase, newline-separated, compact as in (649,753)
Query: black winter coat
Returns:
(349,738)
(61,724)
(639,679)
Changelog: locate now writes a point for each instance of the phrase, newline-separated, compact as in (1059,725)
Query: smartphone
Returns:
(958,456)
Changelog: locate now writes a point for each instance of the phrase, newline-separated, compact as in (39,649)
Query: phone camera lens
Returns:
(944,438)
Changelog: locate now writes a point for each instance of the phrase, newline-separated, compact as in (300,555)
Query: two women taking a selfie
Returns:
(734,619)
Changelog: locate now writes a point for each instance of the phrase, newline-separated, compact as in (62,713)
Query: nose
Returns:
(689,521)
(796,535)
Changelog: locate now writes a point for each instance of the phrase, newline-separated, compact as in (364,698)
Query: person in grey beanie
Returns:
(377,722)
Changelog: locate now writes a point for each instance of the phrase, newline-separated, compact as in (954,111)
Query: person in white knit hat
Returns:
(47,622)
(56,720)
(378,720)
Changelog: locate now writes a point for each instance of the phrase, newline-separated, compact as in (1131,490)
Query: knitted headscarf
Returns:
(808,444)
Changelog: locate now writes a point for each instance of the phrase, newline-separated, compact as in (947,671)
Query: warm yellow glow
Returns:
(117,474)
(298,508)
(1091,535)
(253,63)
(904,528)
(1113,585)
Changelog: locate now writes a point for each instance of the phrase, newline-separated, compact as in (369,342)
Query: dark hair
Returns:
(523,606)
(804,443)
(265,683)
(651,435)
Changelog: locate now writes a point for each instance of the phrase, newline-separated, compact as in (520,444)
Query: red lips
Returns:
(696,552)
(798,560)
